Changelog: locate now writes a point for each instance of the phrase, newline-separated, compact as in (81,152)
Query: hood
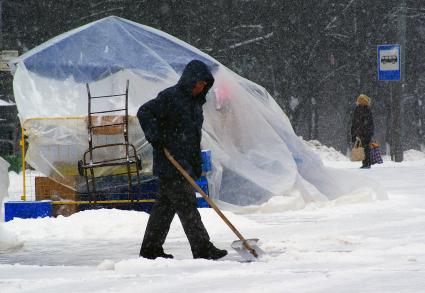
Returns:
(195,71)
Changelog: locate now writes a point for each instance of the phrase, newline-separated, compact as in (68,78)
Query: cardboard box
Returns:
(48,189)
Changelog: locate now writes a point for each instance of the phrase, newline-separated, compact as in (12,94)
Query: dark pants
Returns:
(175,196)
(365,143)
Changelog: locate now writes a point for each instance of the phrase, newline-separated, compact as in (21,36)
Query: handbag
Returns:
(375,154)
(357,153)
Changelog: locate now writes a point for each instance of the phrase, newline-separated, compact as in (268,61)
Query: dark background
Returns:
(313,56)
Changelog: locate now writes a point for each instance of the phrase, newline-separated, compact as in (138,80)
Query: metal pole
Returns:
(399,87)
(24,167)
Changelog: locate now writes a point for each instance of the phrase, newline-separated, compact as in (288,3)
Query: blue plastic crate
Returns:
(27,209)
(203,183)
(206,161)
(202,203)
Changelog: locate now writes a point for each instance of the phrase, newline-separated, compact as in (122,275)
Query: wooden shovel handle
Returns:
(210,202)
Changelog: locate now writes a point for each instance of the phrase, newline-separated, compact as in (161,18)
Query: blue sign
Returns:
(389,62)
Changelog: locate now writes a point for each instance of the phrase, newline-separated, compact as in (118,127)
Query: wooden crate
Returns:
(48,189)
(107,119)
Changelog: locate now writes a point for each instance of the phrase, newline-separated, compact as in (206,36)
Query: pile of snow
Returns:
(112,224)
(16,184)
(8,239)
(326,153)
(414,155)
(4,183)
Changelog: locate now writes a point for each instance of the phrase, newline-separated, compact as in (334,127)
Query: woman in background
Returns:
(362,127)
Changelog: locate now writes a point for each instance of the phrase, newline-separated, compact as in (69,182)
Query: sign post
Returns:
(389,69)
(389,62)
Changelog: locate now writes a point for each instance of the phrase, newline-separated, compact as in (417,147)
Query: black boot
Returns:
(210,252)
(365,164)
(154,253)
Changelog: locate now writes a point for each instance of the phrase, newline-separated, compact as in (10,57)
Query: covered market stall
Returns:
(257,158)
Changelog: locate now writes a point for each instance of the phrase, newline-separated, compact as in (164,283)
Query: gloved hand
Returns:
(353,138)
(189,169)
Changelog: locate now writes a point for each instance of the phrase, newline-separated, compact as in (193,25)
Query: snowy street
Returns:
(348,245)
(304,122)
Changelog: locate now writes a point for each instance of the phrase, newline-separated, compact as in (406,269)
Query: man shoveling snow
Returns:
(173,120)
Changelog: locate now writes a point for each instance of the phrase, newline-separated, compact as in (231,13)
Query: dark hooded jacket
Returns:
(174,120)
(362,125)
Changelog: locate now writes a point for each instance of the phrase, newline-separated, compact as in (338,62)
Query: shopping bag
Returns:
(375,154)
(357,153)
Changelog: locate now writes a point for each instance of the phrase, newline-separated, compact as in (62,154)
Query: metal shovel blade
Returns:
(244,251)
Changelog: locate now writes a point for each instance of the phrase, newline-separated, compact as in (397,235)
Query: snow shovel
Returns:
(247,248)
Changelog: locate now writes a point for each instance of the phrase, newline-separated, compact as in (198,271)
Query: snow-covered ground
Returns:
(348,245)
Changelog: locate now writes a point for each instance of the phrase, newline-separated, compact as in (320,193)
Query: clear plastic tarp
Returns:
(256,154)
